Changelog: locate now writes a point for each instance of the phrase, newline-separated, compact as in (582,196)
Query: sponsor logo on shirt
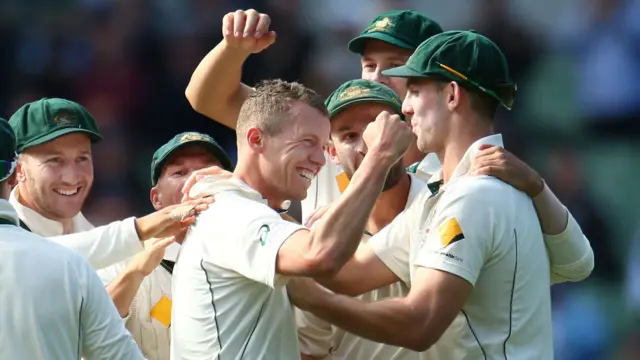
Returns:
(450,232)
(263,233)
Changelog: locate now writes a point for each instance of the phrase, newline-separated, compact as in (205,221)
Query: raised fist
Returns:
(388,136)
(248,30)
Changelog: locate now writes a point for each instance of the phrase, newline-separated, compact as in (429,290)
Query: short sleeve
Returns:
(314,334)
(459,234)
(392,246)
(252,234)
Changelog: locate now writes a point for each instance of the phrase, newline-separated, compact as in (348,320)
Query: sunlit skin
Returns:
(347,146)
(176,171)
(378,56)
(55,178)
(287,160)
(443,120)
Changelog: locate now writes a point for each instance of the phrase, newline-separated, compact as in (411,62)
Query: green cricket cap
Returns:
(8,157)
(47,119)
(362,91)
(470,59)
(406,29)
(187,138)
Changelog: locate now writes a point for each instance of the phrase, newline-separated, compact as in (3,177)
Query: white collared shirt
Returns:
(55,305)
(102,246)
(486,232)
(228,301)
(321,340)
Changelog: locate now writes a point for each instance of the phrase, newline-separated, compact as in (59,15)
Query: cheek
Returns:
(367,75)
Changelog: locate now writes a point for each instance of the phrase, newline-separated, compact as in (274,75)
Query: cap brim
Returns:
(94,137)
(357,44)
(397,107)
(403,71)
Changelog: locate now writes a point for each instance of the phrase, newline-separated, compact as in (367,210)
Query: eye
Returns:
(349,137)
(369,67)
(395,65)
(83,159)
(55,160)
(179,173)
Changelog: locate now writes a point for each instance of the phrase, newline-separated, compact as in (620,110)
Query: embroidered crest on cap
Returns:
(193,137)
(353,92)
(381,25)
(64,117)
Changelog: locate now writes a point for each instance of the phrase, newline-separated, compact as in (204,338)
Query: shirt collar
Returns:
(41,225)
(8,212)
(435,182)
(415,189)
(214,184)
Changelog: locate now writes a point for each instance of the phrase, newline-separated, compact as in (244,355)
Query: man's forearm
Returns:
(389,321)
(552,214)
(337,235)
(123,290)
(215,89)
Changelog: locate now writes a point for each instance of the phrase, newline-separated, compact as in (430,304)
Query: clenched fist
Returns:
(388,136)
(248,30)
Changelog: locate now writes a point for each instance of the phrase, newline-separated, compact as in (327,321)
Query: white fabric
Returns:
(323,190)
(55,306)
(324,341)
(228,301)
(102,246)
(152,336)
(498,249)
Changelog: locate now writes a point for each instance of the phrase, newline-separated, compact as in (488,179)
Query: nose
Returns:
(407,109)
(361,147)
(70,175)
(317,157)
(378,77)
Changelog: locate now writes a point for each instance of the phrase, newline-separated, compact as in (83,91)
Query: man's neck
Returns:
(390,203)
(25,200)
(454,151)
(254,181)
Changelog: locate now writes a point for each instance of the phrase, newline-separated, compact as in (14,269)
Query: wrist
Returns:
(536,186)
(133,273)
(236,52)
(142,228)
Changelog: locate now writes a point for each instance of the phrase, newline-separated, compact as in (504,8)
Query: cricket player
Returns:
(55,174)
(229,294)
(54,306)
(472,248)
(140,288)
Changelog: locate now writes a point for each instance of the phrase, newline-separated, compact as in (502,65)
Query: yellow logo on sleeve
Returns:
(450,232)
(161,311)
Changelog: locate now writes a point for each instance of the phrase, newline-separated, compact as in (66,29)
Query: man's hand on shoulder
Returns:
(497,162)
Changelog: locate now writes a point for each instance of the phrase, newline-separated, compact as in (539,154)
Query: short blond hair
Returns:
(267,108)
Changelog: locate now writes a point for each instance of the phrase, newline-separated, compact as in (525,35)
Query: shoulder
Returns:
(482,191)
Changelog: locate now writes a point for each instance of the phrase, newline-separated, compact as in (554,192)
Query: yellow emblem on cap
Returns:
(63,117)
(381,25)
(352,92)
(192,137)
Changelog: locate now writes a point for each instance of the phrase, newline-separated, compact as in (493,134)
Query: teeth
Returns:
(308,175)
(67,192)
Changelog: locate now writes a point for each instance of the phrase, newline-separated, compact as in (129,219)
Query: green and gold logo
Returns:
(193,137)
(354,91)
(64,117)
(382,25)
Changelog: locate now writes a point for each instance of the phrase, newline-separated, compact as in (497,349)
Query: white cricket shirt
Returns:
(55,306)
(228,301)
(102,246)
(321,340)
(149,317)
(325,188)
(487,233)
